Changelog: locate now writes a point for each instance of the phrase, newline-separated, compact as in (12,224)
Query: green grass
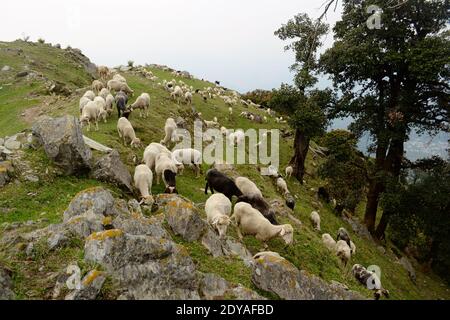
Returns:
(54,193)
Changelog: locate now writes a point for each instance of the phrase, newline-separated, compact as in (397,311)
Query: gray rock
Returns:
(182,217)
(6,172)
(111,169)
(146,267)
(213,287)
(99,200)
(6,68)
(279,276)
(91,285)
(12,144)
(212,242)
(63,143)
(6,285)
(181,123)
(2,142)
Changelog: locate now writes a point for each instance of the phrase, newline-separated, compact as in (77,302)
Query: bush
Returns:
(261,97)
(130,63)
(41,41)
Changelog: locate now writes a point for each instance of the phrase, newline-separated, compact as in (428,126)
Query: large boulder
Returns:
(6,284)
(91,285)
(277,275)
(63,143)
(182,217)
(111,169)
(213,287)
(98,199)
(147,267)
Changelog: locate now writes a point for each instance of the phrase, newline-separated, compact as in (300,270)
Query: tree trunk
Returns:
(301,146)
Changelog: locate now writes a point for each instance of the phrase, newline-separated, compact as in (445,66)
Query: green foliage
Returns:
(41,41)
(286,99)
(421,213)
(344,169)
(130,63)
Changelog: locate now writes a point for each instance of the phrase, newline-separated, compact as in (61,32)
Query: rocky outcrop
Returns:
(63,143)
(279,276)
(6,172)
(91,285)
(112,170)
(6,285)
(213,287)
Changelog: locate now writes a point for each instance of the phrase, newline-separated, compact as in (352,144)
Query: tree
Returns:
(344,169)
(304,105)
(420,208)
(393,80)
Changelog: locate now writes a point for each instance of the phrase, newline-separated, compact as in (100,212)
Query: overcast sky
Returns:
(227,40)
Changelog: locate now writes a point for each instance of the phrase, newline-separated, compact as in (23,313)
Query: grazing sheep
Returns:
(104,93)
(121,104)
(177,94)
(370,280)
(97,85)
(143,180)
(217,181)
(126,132)
(188,157)
(230,111)
(109,104)
(315,220)
(261,205)
(289,171)
(103,72)
(141,103)
(188,98)
(119,86)
(329,242)
(166,168)
(89,94)
(151,152)
(343,251)
(89,114)
(343,235)
(119,78)
(170,129)
(236,138)
(83,102)
(211,124)
(290,201)
(248,187)
(251,222)
(218,210)
(282,186)
(101,105)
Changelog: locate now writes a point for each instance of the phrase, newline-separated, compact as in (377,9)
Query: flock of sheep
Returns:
(251,214)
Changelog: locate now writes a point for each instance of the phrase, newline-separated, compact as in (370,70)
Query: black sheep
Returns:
(217,181)
(261,205)
(121,104)
(170,180)
(343,235)
(290,201)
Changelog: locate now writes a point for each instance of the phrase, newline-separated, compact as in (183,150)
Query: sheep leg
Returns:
(89,126)
(157,178)
(240,236)
(96,125)
(206,188)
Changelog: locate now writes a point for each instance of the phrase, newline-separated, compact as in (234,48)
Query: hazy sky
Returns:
(227,40)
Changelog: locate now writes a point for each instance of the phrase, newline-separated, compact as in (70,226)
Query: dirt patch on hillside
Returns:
(31,114)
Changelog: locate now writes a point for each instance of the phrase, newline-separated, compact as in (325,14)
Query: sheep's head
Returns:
(287,233)
(221,223)
(148,200)
(136,143)
(84,120)
(171,190)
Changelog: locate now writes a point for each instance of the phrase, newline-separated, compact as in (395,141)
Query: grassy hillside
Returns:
(53,193)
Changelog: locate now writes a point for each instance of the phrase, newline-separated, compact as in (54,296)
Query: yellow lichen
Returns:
(91,277)
(100,236)
(107,221)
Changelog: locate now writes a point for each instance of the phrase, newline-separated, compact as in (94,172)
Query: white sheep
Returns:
(119,86)
(188,98)
(236,138)
(83,102)
(343,251)
(289,171)
(176,94)
(163,163)
(251,222)
(142,103)
(143,180)
(248,187)
(104,93)
(218,210)
(329,242)
(315,220)
(282,186)
(188,157)
(170,129)
(101,107)
(230,111)
(266,254)
(97,85)
(109,104)
(119,78)
(89,94)
(151,152)
(126,132)
(89,114)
